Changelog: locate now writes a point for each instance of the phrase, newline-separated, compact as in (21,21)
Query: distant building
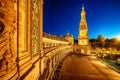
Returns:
(69,38)
(83,39)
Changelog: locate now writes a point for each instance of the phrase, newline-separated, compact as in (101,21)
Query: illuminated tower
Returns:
(83,40)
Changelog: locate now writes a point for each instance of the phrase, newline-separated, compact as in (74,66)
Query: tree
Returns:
(101,41)
(93,43)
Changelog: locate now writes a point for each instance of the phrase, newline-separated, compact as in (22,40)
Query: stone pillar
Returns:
(8,39)
(41,34)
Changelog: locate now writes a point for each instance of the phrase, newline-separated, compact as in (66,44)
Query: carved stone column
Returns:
(8,39)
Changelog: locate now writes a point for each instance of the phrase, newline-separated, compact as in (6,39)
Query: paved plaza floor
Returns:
(81,67)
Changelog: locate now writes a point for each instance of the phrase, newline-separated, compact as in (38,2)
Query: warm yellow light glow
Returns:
(118,37)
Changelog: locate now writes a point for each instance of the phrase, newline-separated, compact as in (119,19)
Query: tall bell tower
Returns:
(83,39)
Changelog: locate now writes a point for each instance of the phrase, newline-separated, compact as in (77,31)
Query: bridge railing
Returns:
(52,58)
(104,51)
(54,49)
(54,37)
(106,54)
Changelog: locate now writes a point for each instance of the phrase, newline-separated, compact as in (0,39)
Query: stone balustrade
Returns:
(54,51)
(104,52)
(53,37)
(51,59)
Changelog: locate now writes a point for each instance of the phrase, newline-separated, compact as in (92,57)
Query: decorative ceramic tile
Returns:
(35,36)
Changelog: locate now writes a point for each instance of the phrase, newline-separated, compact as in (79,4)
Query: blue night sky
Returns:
(62,16)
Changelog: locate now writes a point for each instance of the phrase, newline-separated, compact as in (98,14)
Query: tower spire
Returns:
(83,6)
(83,30)
(83,13)
(83,39)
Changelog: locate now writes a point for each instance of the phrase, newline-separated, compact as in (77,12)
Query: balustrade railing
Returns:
(53,59)
(55,37)
(46,50)
(55,49)
(104,52)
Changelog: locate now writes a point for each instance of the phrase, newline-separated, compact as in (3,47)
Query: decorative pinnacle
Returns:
(68,33)
(82,6)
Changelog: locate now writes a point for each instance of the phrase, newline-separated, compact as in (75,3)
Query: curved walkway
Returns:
(80,67)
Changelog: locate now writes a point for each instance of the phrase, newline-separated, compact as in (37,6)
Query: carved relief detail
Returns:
(7,36)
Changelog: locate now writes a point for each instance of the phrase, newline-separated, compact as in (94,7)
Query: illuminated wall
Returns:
(20,39)
(30,38)
(24,53)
